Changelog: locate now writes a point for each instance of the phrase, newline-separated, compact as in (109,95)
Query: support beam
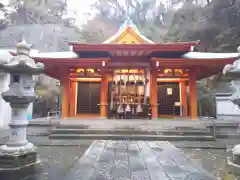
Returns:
(73,100)
(183,98)
(104,97)
(193,95)
(65,83)
(153,93)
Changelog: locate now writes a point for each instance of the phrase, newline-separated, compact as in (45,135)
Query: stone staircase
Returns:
(131,133)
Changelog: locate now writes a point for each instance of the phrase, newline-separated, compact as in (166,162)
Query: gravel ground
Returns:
(213,160)
(56,161)
(211,155)
(58,156)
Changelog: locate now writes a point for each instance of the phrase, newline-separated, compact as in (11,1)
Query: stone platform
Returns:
(130,123)
(11,162)
(135,160)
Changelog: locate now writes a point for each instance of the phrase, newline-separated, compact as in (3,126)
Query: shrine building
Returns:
(134,72)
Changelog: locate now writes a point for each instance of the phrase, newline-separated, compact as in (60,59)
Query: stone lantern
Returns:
(18,152)
(232,71)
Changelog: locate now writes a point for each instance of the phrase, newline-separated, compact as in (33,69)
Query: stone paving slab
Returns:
(135,160)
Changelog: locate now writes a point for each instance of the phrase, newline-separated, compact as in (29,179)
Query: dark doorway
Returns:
(88,98)
(168,98)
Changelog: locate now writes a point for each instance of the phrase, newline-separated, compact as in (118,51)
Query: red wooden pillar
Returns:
(184,98)
(153,93)
(104,97)
(65,83)
(193,95)
(73,98)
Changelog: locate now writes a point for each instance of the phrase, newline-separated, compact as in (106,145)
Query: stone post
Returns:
(18,152)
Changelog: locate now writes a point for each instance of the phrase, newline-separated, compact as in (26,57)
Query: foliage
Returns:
(46,91)
(96,31)
(151,17)
(214,25)
(42,24)
(5,10)
(36,12)
(206,100)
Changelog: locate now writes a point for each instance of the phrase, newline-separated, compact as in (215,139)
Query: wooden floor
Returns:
(84,116)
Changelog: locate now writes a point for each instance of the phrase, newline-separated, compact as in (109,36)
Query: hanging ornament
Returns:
(140,80)
(135,79)
(124,80)
(128,79)
(132,80)
(128,108)
(121,81)
(139,108)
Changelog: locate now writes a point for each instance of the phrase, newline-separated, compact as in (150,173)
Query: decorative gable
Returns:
(128,34)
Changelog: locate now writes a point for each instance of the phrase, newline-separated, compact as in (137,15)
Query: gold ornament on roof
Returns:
(179,71)
(166,71)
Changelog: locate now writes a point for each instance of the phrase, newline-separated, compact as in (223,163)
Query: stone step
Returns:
(142,137)
(72,126)
(130,132)
(223,125)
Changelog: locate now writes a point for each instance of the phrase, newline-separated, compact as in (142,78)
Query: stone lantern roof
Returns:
(22,62)
(233,70)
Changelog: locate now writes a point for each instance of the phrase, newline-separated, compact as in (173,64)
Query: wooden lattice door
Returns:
(88,98)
